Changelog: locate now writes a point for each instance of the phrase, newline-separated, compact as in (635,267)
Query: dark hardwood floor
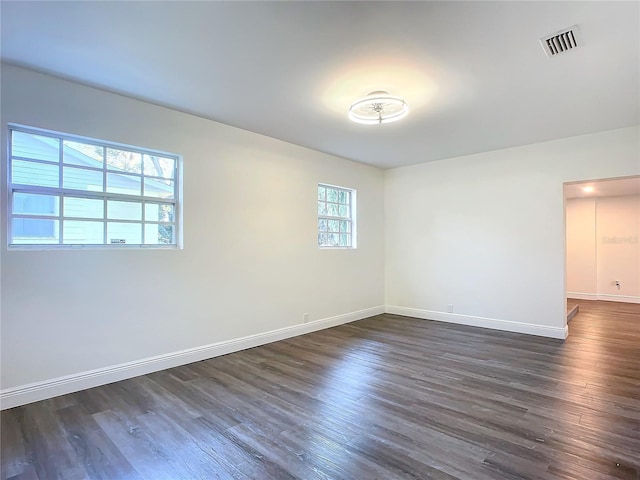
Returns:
(384,398)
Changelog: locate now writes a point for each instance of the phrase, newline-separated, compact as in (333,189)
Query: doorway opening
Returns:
(602,246)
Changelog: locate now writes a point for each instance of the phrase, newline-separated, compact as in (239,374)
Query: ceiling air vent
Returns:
(561,42)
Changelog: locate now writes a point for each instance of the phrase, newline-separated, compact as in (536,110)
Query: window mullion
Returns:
(35,160)
(35,216)
(70,192)
(35,190)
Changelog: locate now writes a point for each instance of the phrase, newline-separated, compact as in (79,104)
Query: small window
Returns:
(336,217)
(65,190)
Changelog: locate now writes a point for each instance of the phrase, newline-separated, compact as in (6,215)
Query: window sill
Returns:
(11,248)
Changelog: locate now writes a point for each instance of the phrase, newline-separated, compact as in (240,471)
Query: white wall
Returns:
(602,247)
(486,232)
(250,263)
(618,252)
(581,246)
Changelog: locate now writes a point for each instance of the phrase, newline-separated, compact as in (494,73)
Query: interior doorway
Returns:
(602,249)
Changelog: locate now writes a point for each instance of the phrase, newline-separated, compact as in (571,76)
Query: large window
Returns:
(65,190)
(336,217)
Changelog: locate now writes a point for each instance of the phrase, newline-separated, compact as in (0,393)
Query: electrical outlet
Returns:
(617,284)
(450,308)
(305,317)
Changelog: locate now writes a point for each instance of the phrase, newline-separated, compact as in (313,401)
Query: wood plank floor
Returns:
(384,398)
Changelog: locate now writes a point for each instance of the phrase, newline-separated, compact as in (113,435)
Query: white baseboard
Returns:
(33,392)
(495,324)
(602,296)
(582,296)
(618,298)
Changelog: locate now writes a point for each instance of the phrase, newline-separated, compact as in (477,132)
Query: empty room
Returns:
(320,240)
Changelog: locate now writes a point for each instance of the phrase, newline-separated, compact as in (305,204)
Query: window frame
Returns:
(62,192)
(352,219)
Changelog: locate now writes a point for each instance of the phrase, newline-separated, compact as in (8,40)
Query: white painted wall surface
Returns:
(250,263)
(602,247)
(618,253)
(486,232)
(581,247)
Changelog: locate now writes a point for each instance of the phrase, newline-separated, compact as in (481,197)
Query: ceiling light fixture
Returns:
(378,107)
(587,189)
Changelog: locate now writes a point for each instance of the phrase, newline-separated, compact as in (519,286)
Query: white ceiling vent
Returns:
(561,42)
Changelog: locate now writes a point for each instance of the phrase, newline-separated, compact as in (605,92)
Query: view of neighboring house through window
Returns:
(336,216)
(70,191)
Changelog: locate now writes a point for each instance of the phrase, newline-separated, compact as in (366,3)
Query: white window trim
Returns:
(353,218)
(62,192)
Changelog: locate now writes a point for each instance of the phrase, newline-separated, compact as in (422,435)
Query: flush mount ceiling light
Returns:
(378,107)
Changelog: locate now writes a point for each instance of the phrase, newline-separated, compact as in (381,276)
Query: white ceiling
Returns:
(473,73)
(604,188)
